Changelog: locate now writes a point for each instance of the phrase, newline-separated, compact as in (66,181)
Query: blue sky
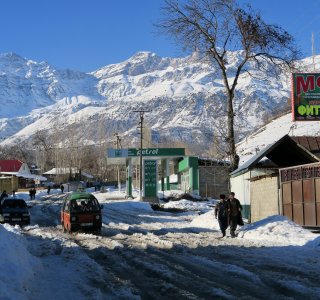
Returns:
(88,34)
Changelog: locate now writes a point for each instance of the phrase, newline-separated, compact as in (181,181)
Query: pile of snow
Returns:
(177,194)
(17,266)
(280,230)
(138,205)
(188,205)
(206,220)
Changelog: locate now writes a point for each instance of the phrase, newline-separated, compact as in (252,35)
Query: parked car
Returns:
(14,211)
(81,211)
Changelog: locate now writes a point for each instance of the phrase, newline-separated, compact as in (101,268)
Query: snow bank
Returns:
(206,220)
(170,194)
(189,205)
(128,205)
(280,230)
(17,265)
(138,205)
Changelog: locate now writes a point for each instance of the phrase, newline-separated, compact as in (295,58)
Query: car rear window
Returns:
(14,204)
(82,205)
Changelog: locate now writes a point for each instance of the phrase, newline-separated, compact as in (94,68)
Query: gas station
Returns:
(157,166)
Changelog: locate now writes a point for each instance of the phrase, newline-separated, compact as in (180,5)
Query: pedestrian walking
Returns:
(34,191)
(13,194)
(48,189)
(222,214)
(31,194)
(234,213)
(62,188)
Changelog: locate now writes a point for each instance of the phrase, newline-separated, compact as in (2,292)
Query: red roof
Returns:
(10,165)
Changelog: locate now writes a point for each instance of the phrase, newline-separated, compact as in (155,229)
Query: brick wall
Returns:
(213,181)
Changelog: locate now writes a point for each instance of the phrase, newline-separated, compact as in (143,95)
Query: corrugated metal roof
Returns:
(285,153)
(10,165)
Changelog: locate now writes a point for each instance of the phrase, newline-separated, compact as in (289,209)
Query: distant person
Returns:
(34,191)
(13,194)
(234,213)
(31,194)
(49,189)
(222,214)
(62,188)
(3,195)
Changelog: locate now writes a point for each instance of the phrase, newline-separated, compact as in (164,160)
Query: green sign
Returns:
(150,178)
(157,152)
(306,96)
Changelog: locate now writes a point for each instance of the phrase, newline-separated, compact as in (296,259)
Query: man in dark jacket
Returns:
(3,195)
(221,212)
(234,213)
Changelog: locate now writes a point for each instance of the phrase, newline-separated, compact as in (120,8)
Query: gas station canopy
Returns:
(120,156)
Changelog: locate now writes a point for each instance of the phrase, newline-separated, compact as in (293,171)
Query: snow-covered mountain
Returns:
(185,97)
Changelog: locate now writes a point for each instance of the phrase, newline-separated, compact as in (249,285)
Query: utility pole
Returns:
(118,146)
(141,114)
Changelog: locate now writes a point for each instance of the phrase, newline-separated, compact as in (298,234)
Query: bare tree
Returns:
(215,27)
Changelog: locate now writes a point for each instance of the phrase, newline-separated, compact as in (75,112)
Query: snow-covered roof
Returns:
(25,175)
(285,153)
(64,171)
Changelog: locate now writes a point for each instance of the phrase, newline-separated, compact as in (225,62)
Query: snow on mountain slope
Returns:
(26,85)
(185,97)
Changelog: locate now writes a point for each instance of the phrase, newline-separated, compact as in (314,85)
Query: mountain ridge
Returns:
(185,97)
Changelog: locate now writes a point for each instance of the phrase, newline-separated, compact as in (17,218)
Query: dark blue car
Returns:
(14,211)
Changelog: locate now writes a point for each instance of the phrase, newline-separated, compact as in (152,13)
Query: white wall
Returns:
(240,185)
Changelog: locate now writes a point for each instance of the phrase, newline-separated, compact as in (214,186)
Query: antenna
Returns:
(313,52)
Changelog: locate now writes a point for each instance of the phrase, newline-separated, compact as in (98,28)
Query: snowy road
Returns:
(142,254)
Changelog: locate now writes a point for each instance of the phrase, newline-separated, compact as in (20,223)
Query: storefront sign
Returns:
(157,152)
(306,96)
(152,152)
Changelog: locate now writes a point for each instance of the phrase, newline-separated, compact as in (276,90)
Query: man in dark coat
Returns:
(234,213)
(34,191)
(3,195)
(221,212)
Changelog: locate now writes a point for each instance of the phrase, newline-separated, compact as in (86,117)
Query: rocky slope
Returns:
(185,97)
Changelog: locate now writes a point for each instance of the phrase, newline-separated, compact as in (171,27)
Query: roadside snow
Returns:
(147,254)
(279,230)
(189,205)
(17,266)
(206,220)
(177,194)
